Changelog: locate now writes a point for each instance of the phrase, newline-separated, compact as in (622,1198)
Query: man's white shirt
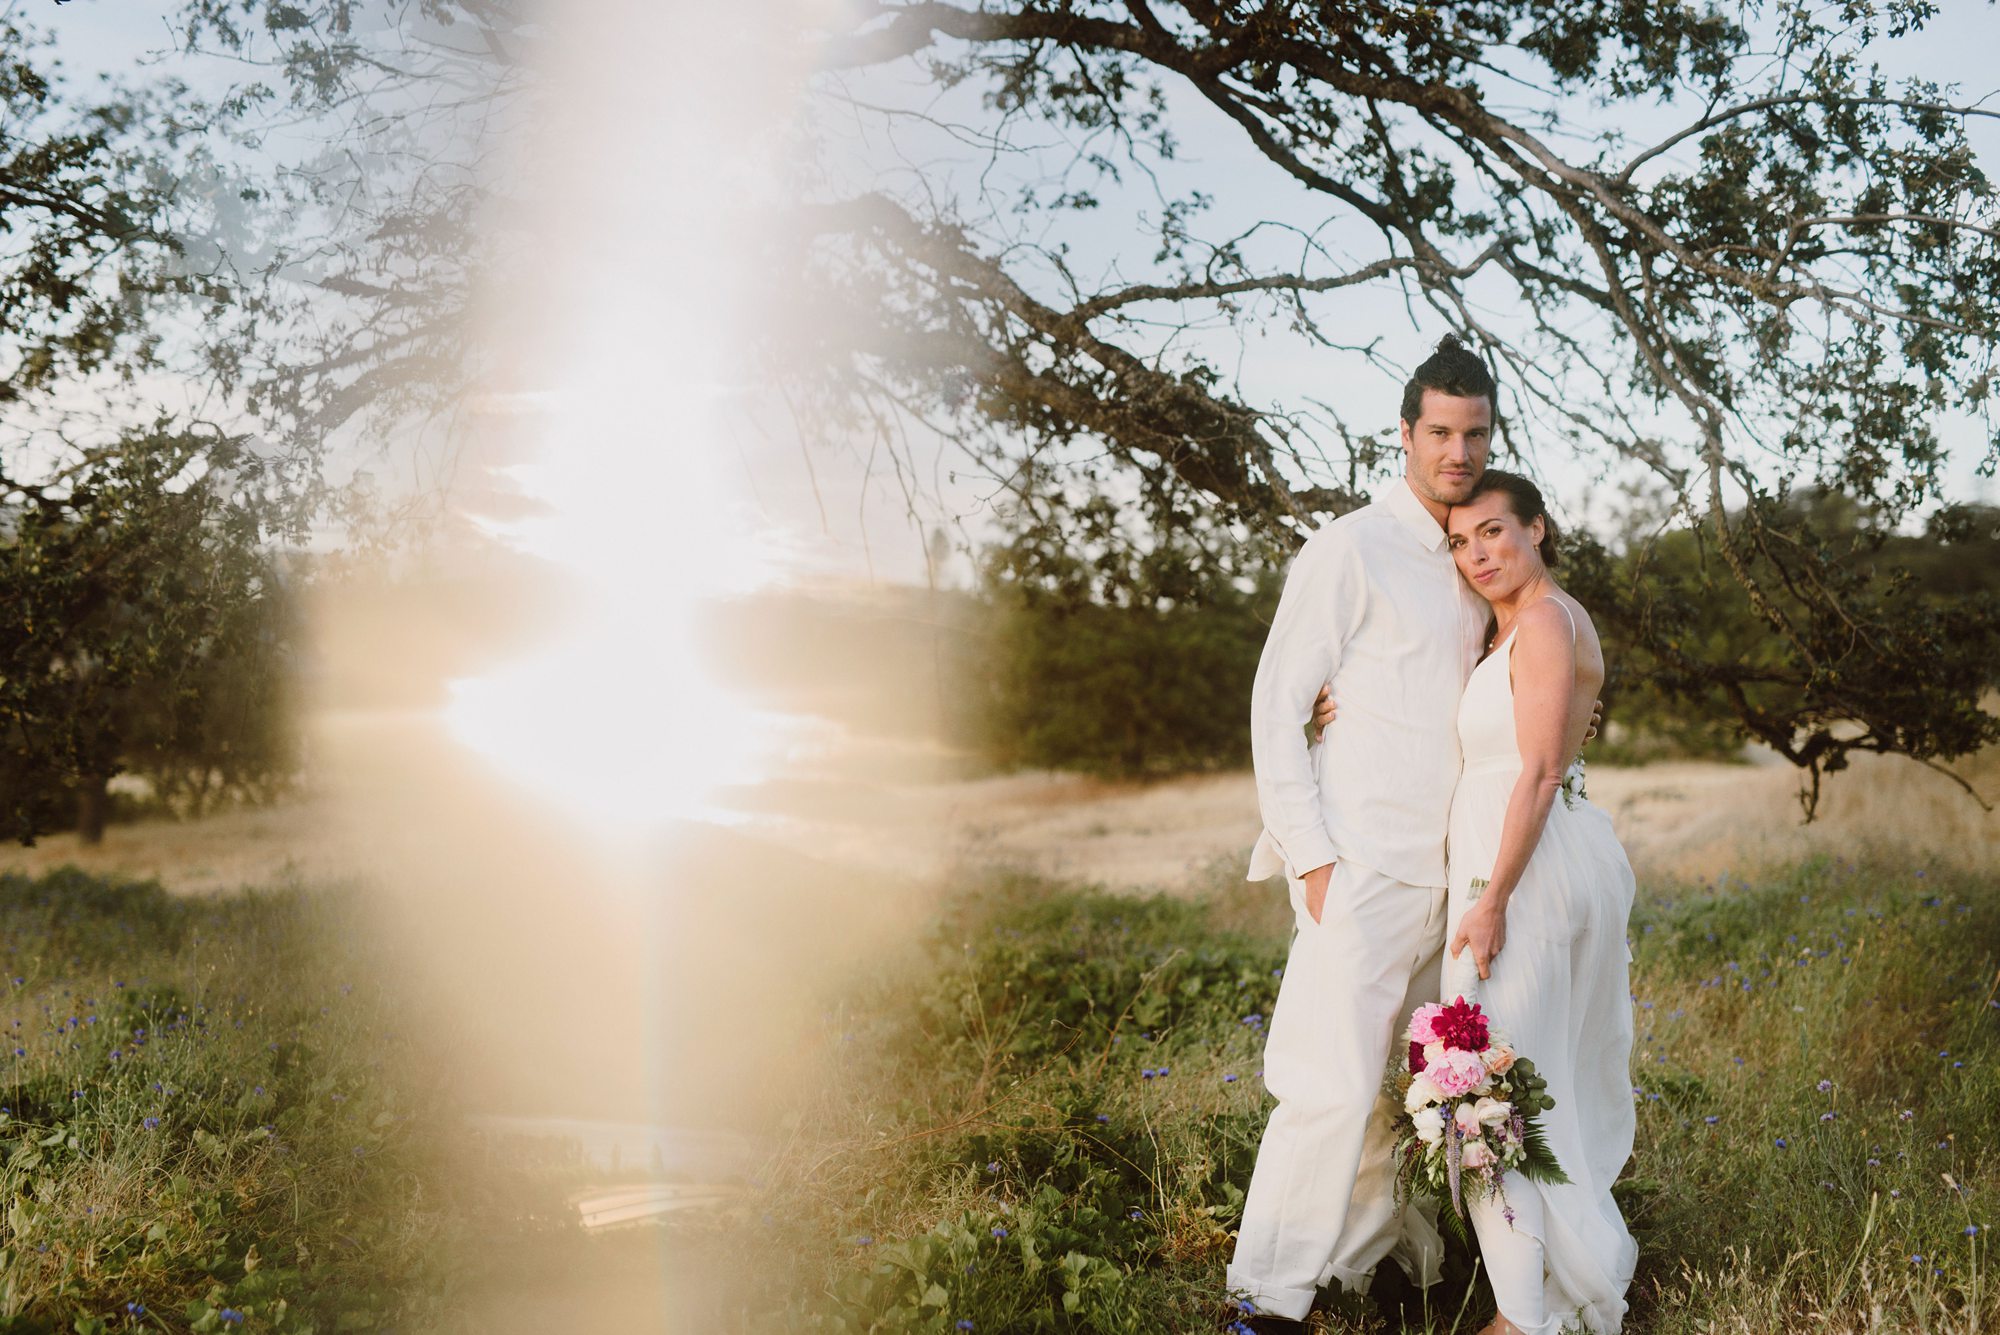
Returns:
(1373,604)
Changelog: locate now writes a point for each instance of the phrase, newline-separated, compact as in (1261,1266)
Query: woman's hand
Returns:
(1483,930)
(1323,711)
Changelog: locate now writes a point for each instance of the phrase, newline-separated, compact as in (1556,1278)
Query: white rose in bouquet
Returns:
(1430,1125)
(1423,1091)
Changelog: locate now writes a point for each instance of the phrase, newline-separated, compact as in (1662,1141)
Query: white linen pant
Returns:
(1511,1250)
(1321,1204)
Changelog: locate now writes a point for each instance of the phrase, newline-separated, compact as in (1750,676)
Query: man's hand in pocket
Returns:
(1316,882)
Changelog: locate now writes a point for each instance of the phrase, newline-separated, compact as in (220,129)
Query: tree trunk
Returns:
(93,804)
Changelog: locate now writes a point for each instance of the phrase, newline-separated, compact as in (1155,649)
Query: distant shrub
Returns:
(1122,654)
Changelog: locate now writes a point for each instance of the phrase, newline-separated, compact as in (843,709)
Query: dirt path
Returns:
(1684,819)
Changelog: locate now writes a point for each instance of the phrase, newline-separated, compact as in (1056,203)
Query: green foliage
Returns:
(1124,691)
(89,236)
(1120,651)
(1029,1123)
(1663,609)
(1043,1031)
(213,1109)
(137,609)
(141,620)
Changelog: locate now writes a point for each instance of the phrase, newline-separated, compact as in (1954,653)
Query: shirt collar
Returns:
(1403,503)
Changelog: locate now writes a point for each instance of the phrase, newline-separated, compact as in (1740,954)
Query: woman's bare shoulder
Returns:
(1545,621)
(1589,649)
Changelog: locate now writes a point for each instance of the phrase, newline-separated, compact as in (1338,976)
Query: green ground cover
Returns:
(214,1115)
(228,1113)
(1044,1119)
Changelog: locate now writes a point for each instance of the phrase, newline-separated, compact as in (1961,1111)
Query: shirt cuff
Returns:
(1308,851)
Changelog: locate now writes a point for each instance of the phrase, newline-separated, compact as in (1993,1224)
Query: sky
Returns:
(849,512)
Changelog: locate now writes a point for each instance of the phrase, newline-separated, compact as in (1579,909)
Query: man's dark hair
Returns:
(1452,369)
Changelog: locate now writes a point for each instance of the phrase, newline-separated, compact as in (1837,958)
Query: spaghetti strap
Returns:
(1569,615)
(1545,598)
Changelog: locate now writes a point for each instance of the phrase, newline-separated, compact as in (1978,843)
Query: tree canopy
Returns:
(1713,243)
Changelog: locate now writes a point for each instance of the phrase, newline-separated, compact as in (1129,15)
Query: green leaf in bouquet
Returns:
(1539,1163)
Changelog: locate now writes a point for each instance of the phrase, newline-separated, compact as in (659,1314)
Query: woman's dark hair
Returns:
(1524,498)
(1452,368)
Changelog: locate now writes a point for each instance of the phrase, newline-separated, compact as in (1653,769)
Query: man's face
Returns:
(1447,444)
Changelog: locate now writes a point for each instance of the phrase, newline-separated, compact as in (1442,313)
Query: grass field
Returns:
(1039,1116)
(221,1113)
(1046,1118)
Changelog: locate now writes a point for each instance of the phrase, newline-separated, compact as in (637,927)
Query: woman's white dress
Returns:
(1559,992)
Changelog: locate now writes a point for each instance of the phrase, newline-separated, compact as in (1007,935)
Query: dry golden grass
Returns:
(273,846)
(1683,820)
(1678,821)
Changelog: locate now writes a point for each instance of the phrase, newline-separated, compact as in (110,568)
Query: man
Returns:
(1373,606)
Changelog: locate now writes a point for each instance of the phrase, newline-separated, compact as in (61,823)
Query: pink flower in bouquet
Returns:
(1467,1117)
(1461,1026)
(1423,1025)
(1457,1072)
(1499,1058)
(1475,1155)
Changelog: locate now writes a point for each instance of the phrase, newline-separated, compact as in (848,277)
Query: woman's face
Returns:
(1495,551)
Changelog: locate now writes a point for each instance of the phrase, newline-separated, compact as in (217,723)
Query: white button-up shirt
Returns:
(1374,605)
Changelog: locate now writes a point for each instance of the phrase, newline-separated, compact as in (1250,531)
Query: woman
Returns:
(1540,892)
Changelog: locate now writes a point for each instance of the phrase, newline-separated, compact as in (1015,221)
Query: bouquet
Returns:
(1473,1105)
